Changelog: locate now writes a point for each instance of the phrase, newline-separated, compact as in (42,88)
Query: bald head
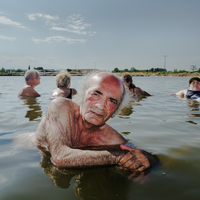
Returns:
(107,79)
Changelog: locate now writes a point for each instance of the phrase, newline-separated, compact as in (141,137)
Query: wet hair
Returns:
(85,84)
(29,73)
(63,79)
(128,78)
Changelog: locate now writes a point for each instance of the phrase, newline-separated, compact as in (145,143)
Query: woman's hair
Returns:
(85,83)
(63,79)
(30,73)
(128,78)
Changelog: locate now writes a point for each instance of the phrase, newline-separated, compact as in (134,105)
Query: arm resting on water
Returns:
(56,133)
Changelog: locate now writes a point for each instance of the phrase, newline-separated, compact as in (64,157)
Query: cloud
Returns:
(11,39)
(74,24)
(47,18)
(6,21)
(57,39)
(51,59)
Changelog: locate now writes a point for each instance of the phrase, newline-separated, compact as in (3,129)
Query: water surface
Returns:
(162,124)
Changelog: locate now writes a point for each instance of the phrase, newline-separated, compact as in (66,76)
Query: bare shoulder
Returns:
(111,136)
(182,92)
(139,91)
(53,128)
(53,93)
(28,91)
(62,105)
(74,91)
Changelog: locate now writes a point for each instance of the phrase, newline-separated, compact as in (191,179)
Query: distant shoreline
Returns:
(171,74)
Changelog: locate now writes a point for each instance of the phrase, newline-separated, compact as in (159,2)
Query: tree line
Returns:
(192,68)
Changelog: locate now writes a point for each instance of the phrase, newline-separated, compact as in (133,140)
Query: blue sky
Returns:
(87,34)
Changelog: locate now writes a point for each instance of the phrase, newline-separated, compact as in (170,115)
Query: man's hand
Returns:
(136,159)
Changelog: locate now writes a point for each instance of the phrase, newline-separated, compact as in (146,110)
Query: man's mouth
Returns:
(97,114)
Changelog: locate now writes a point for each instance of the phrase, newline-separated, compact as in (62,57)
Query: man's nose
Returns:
(101,104)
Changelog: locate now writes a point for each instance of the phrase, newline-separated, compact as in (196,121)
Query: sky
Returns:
(100,34)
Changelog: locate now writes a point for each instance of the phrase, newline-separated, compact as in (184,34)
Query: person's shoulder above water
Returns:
(139,92)
(32,79)
(182,93)
(194,90)
(131,88)
(63,92)
(28,91)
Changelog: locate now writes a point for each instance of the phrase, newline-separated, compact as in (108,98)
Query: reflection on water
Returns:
(99,183)
(164,125)
(34,108)
(128,109)
(193,105)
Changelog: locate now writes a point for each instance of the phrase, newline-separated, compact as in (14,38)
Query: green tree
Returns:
(3,70)
(126,70)
(133,69)
(69,70)
(193,68)
(38,68)
(116,70)
(19,70)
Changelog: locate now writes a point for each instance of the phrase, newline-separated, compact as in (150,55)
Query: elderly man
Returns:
(194,89)
(68,130)
(32,79)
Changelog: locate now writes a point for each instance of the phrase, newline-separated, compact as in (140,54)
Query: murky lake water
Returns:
(165,125)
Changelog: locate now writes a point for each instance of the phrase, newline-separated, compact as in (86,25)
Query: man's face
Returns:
(37,79)
(195,85)
(101,99)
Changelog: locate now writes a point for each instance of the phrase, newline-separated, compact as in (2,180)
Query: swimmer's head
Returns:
(86,82)
(63,79)
(30,73)
(194,78)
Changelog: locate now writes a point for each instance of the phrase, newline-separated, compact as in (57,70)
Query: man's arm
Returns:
(181,93)
(56,132)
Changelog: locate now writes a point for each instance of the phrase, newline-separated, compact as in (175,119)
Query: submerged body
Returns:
(32,79)
(131,89)
(63,89)
(194,90)
(68,127)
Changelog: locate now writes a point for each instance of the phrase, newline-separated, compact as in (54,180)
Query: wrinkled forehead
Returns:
(106,79)
(107,82)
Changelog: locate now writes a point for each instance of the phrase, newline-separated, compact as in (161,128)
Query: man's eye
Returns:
(96,94)
(113,101)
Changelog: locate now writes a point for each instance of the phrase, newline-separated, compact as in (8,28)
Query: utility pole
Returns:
(95,66)
(165,62)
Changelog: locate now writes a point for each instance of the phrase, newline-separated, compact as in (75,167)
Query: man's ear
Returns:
(32,77)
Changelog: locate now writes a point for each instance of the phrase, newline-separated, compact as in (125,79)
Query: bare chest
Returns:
(89,139)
